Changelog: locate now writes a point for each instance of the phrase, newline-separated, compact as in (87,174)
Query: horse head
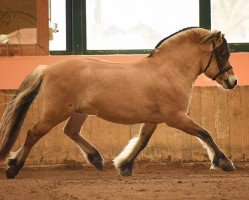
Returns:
(218,67)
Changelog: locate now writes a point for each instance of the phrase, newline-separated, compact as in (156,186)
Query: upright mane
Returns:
(198,36)
(159,43)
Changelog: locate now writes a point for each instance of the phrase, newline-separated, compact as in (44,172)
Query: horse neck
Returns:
(182,60)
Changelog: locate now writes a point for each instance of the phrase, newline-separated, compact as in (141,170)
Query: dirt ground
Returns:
(150,181)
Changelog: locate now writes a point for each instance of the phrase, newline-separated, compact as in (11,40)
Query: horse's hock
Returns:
(224,114)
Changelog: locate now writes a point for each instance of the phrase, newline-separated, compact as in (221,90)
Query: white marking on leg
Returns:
(210,151)
(122,157)
(16,155)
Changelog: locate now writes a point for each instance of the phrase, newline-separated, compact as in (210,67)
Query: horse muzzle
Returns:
(230,82)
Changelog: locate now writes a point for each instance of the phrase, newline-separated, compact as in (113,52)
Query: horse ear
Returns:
(218,39)
(210,36)
(215,36)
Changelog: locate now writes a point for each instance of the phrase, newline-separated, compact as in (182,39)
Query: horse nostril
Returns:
(235,83)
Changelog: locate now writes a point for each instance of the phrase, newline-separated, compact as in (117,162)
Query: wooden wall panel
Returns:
(244,94)
(195,114)
(186,146)
(222,121)
(174,143)
(234,104)
(224,114)
(161,143)
(112,140)
(208,110)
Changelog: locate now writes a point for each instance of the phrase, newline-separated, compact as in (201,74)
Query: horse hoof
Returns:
(226,165)
(98,164)
(97,161)
(228,168)
(126,169)
(223,163)
(11,172)
(13,168)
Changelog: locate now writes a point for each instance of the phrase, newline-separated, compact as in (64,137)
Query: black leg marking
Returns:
(144,144)
(205,136)
(13,168)
(96,160)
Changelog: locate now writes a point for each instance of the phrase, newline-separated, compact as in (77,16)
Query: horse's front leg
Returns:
(124,161)
(217,157)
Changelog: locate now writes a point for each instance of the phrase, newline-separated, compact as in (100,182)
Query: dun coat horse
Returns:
(156,89)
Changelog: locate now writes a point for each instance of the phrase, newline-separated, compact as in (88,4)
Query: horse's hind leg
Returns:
(217,157)
(72,129)
(17,159)
(124,161)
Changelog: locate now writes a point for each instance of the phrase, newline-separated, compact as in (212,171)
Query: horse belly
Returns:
(131,118)
(123,113)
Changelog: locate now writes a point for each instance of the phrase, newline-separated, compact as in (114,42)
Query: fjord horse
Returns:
(156,89)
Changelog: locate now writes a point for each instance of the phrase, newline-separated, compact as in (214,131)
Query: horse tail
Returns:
(17,109)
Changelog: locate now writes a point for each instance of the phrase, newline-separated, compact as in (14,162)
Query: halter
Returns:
(222,69)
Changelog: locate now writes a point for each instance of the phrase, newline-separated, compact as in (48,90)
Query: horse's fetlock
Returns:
(215,161)
(92,156)
(221,155)
(12,161)
(205,136)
